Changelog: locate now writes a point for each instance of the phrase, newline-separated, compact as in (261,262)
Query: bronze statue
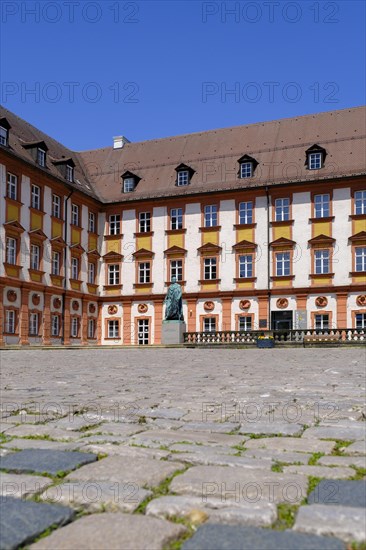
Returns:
(173,302)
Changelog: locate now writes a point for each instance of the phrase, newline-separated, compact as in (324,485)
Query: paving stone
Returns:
(142,471)
(224,537)
(278,456)
(211,427)
(117,531)
(125,450)
(343,493)
(22,521)
(337,432)
(4,452)
(271,428)
(73,422)
(168,414)
(156,438)
(346,523)
(45,461)
(202,449)
(6,426)
(321,471)
(222,460)
(117,428)
(25,430)
(291,444)
(163,424)
(356,448)
(40,444)
(240,484)
(358,461)
(259,514)
(22,485)
(97,496)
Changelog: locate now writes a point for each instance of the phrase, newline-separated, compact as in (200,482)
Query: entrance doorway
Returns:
(143,332)
(281,320)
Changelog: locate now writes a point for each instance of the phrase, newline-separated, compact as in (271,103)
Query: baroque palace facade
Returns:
(263,225)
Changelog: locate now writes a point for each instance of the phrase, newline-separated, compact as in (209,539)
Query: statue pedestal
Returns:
(172,332)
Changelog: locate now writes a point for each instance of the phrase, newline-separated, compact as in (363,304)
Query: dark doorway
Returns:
(281,320)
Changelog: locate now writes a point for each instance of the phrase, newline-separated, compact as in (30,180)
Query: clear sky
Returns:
(84,72)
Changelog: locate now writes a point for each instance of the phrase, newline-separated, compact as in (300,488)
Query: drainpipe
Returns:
(65,271)
(268,263)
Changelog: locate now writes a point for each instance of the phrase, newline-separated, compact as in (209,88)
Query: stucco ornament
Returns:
(282,303)
(56,303)
(142,308)
(92,308)
(361,300)
(173,302)
(75,305)
(321,301)
(112,310)
(36,299)
(209,306)
(11,295)
(244,304)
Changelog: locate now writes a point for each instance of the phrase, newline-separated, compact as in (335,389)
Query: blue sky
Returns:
(84,72)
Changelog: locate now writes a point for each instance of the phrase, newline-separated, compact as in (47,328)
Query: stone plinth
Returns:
(172,332)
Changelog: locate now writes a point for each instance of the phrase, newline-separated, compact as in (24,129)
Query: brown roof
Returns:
(278,146)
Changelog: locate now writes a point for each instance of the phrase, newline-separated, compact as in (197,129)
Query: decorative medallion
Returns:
(36,299)
(244,304)
(361,300)
(92,308)
(112,310)
(11,295)
(75,305)
(209,306)
(56,303)
(321,301)
(142,308)
(282,303)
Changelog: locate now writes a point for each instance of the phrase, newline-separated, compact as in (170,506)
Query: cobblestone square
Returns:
(194,448)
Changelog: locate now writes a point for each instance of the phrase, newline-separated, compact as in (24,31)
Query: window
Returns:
(176,217)
(360,202)
(36,197)
(74,327)
(246,266)
(113,274)
(56,262)
(210,215)
(321,322)
(246,170)
(246,212)
(56,206)
(245,322)
(322,206)
(113,329)
(128,185)
(91,328)
(209,324)
(35,253)
(144,272)
(360,253)
(69,172)
(321,261)
(11,250)
(114,224)
(10,321)
(3,136)
(55,325)
(74,214)
(41,157)
(91,222)
(283,264)
(176,270)
(210,268)
(182,178)
(145,222)
(282,209)
(360,320)
(315,161)
(74,268)
(91,273)
(12,188)
(33,324)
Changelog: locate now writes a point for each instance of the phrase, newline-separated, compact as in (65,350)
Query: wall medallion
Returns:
(11,295)
(112,310)
(209,306)
(361,300)
(92,308)
(244,304)
(56,303)
(282,303)
(321,301)
(142,308)
(36,298)
(75,305)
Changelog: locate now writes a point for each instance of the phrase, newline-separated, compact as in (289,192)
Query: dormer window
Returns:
(66,166)
(184,175)
(130,181)
(38,151)
(247,166)
(41,157)
(315,157)
(4,132)
(69,173)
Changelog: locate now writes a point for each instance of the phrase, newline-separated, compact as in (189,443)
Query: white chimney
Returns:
(119,142)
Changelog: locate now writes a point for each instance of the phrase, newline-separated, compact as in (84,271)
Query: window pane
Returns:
(360,202)
(246,212)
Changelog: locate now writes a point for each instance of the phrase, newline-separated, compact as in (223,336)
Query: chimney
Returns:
(119,142)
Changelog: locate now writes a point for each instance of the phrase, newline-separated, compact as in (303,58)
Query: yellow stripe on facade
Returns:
(322,228)
(176,240)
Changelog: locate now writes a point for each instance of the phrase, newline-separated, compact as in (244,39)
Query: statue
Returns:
(173,302)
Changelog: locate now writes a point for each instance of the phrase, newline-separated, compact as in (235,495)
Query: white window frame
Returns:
(56,206)
(245,323)
(246,170)
(55,326)
(360,259)
(144,272)
(283,264)
(35,256)
(176,270)
(11,250)
(360,321)
(74,268)
(41,157)
(91,222)
(282,209)
(113,274)
(245,266)
(91,329)
(36,197)
(144,222)
(12,187)
(315,160)
(176,218)
(360,202)
(245,212)
(56,262)
(182,178)
(10,321)
(113,328)
(69,173)
(210,269)
(322,206)
(74,329)
(34,324)
(210,215)
(75,214)
(91,273)
(209,324)
(321,321)
(4,136)
(128,184)
(322,261)
(115,224)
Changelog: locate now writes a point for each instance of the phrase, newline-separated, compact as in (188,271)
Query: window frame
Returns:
(282,212)
(144,272)
(89,335)
(11,185)
(313,165)
(246,266)
(55,334)
(75,214)
(210,268)
(360,256)
(246,169)
(56,206)
(13,248)
(144,222)
(363,321)
(319,319)
(69,173)
(246,318)
(13,312)
(92,222)
(36,199)
(320,261)
(34,326)
(176,218)
(129,184)
(285,262)
(209,324)
(91,268)
(35,256)
(4,136)
(362,204)
(322,212)
(178,269)
(113,329)
(114,222)
(114,274)
(210,215)
(41,157)
(245,217)
(75,262)
(75,322)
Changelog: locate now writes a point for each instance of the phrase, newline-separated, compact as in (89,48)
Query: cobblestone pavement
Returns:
(183,448)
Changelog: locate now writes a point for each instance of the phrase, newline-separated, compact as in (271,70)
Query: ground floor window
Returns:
(91,328)
(209,324)
(55,325)
(10,321)
(33,324)
(360,320)
(245,322)
(143,332)
(113,329)
(321,321)
(74,327)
